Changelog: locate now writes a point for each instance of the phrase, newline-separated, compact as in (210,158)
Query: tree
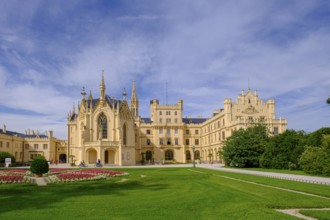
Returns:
(328,100)
(283,151)
(245,147)
(39,166)
(4,155)
(315,138)
(316,160)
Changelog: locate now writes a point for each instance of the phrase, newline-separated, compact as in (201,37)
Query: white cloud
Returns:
(205,51)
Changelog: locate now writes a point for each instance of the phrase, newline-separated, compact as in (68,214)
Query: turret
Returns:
(271,108)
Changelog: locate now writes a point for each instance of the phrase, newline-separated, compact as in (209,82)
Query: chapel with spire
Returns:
(102,129)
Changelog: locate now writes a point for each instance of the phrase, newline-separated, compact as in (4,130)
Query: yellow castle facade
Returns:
(112,131)
(25,147)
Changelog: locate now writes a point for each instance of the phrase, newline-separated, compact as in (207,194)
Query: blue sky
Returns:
(204,50)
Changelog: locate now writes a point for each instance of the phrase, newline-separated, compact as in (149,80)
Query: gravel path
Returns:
(292,177)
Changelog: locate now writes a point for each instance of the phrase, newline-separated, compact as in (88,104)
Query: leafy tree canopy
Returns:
(244,147)
(283,151)
(315,138)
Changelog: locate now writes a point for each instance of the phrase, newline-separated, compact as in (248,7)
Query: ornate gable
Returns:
(125,112)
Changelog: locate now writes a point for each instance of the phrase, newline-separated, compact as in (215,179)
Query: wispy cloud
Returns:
(205,51)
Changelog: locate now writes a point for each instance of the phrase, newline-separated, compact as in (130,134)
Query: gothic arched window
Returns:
(102,126)
(124,135)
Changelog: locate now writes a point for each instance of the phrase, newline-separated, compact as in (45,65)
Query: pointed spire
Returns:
(90,95)
(124,94)
(134,101)
(83,92)
(102,81)
(102,88)
(73,109)
(133,91)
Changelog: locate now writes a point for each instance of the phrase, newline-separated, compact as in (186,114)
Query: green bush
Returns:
(316,160)
(39,165)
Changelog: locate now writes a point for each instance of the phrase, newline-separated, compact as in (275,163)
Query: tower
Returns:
(134,102)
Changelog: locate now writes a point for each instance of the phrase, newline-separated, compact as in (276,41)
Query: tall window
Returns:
(124,135)
(102,126)
(168,141)
(148,155)
(188,155)
(169,155)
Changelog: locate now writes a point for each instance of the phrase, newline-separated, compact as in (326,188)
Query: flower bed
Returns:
(101,172)
(14,171)
(83,175)
(58,170)
(58,175)
(13,178)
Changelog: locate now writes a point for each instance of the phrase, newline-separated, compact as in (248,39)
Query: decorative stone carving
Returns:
(250,110)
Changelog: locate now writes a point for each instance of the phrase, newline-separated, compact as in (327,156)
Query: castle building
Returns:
(112,131)
(25,147)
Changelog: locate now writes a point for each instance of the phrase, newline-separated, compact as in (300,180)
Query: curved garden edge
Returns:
(296,212)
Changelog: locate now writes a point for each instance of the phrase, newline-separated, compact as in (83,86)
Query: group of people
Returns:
(97,164)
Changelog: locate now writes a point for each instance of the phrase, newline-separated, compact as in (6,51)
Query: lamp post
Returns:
(193,149)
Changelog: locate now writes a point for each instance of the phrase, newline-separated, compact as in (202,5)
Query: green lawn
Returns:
(160,193)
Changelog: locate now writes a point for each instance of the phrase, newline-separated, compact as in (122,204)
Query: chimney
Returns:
(50,134)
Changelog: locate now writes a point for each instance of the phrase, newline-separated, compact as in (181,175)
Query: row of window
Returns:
(36,146)
(214,138)
(215,125)
(7,144)
(169,141)
(168,113)
(168,131)
(168,120)
(169,155)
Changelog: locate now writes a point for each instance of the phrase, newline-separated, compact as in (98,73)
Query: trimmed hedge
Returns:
(39,166)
